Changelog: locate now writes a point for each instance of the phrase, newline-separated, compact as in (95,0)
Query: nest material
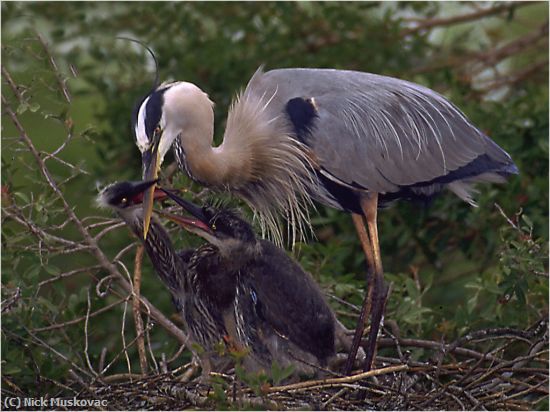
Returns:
(492,369)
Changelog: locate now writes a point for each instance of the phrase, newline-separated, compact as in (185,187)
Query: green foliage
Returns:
(452,268)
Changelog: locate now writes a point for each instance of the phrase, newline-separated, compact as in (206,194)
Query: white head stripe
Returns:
(142,140)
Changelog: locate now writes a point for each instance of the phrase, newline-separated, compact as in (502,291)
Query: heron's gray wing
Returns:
(378,132)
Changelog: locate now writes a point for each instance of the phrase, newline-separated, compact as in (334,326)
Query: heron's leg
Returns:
(369,205)
(366,307)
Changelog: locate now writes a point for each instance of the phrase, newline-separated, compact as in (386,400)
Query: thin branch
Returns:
(39,232)
(495,55)
(48,156)
(109,229)
(93,245)
(80,319)
(516,77)
(463,18)
(12,84)
(61,83)
(66,275)
(87,318)
(138,321)
(334,381)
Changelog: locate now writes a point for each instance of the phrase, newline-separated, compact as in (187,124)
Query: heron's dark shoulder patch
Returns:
(302,113)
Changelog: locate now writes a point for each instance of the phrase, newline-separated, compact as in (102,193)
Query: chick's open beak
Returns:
(137,194)
(188,206)
(151,168)
(198,220)
(189,223)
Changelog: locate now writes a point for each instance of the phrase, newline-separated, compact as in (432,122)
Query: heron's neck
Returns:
(171,269)
(227,165)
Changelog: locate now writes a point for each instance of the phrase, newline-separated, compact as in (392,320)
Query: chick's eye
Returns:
(124,200)
(213,226)
(157,131)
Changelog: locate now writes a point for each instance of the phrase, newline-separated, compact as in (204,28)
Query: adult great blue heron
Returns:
(237,290)
(347,139)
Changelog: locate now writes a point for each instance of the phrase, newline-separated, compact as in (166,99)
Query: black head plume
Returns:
(157,78)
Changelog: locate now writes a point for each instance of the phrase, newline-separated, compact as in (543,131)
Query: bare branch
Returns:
(463,18)
(135,305)
(59,77)
(89,240)
(80,319)
(332,381)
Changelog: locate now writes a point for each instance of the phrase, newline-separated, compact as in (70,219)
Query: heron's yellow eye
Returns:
(157,131)
(213,226)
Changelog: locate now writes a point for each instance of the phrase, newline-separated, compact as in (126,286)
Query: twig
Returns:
(335,381)
(10,302)
(136,311)
(88,309)
(149,347)
(503,365)
(39,232)
(12,84)
(121,377)
(102,359)
(176,355)
(515,77)
(385,342)
(89,240)
(492,56)
(123,350)
(40,342)
(109,229)
(66,275)
(78,320)
(58,76)
(463,18)
(336,395)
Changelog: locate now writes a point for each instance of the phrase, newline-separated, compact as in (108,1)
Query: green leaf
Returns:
(527,220)
(33,272)
(22,196)
(10,369)
(22,108)
(52,270)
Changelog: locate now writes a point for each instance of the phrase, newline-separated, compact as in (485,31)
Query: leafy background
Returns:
(453,268)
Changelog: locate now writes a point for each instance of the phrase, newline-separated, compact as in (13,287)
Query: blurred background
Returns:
(69,86)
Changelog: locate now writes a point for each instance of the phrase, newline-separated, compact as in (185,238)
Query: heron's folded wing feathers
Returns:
(379,132)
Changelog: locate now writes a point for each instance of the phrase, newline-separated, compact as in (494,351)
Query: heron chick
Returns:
(236,289)
(202,317)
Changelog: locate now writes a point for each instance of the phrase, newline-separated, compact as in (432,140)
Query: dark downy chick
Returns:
(202,315)
(279,311)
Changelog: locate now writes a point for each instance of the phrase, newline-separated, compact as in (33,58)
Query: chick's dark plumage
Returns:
(236,289)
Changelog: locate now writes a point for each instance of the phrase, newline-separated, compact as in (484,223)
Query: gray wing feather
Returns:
(378,132)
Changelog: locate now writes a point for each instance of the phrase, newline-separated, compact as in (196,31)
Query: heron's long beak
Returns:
(151,168)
